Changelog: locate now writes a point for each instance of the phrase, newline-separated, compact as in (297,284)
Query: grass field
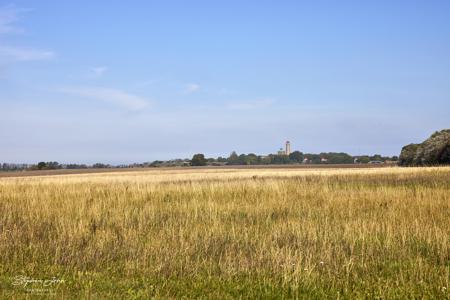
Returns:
(227,233)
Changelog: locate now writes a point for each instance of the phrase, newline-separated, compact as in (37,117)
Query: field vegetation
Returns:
(228,233)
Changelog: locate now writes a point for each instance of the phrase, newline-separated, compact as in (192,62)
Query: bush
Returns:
(433,151)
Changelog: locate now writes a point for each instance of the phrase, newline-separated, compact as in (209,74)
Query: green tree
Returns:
(221,159)
(100,166)
(198,160)
(42,165)
(279,159)
(53,165)
(364,159)
(252,159)
(242,159)
(233,159)
(296,156)
(338,158)
(376,157)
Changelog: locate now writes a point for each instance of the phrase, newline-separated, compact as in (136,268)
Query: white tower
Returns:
(288,148)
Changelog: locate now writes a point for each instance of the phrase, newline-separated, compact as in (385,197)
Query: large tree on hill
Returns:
(433,151)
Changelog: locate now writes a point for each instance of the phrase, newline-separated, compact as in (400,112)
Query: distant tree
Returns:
(296,156)
(53,165)
(233,159)
(99,166)
(279,159)
(252,159)
(339,158)
(198,160)
(376,157)
(313,158)
(221,159)
(156,163)
(266,160)
(76,166)
(42,165)
(364,159)
(242,159)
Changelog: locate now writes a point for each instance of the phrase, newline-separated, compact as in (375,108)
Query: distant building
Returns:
(305,160)
(288,148)
(323,159)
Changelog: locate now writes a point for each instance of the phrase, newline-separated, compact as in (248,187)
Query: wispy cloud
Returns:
(9,15)
(249,105)
(191,88)
(10,54)
(98,71)
(109,95)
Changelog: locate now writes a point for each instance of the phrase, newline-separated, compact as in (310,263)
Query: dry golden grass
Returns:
(229,233)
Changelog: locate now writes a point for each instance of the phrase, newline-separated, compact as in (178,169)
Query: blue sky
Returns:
(132,81)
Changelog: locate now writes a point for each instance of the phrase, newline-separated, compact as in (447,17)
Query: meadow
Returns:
(227,234)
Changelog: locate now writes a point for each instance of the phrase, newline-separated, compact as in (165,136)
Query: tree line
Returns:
(199,159)
(295,157)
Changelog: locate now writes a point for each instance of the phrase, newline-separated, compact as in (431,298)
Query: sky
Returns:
(136,81)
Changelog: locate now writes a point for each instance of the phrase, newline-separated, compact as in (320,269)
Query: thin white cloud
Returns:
(11,54)
(113,96)
(191,88)
(9,15)
(249,105)
(98,71)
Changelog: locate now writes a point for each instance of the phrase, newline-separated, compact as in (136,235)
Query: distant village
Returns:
(283,156)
